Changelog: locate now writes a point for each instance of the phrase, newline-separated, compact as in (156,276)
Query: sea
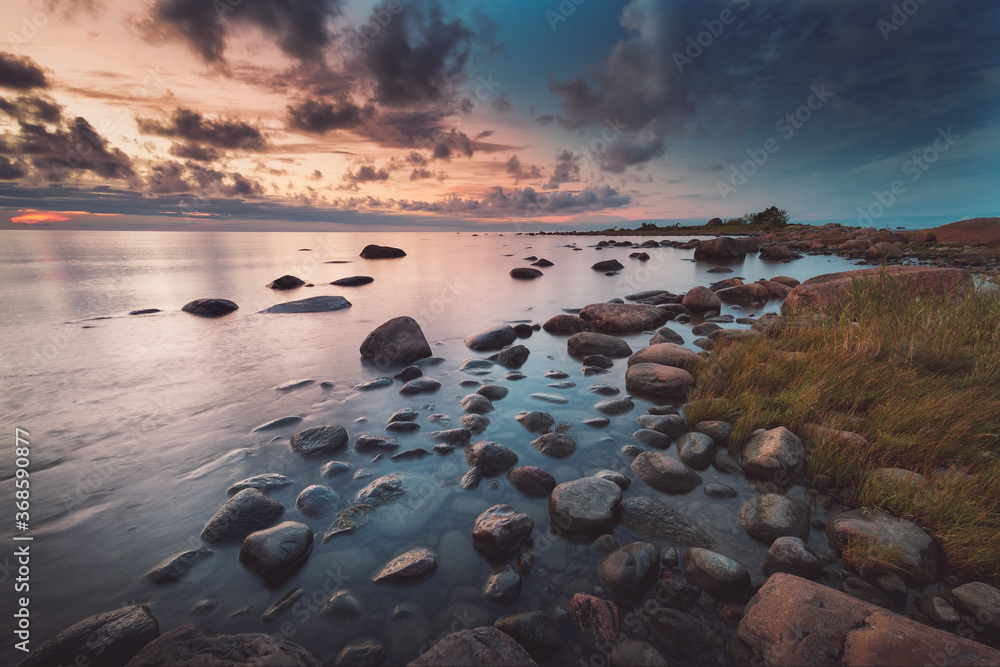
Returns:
(138,424)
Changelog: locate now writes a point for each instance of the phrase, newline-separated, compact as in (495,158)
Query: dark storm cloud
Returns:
(172,177)
(566,170)
(194,152)
(193,127)
(519,171)
(521,202)
(453,143)
(299,27)
(74,146)
(365,173)
(10,170)
(32,109)
(20,73)
(318,117)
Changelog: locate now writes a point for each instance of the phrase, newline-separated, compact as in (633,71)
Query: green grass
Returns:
(917,376)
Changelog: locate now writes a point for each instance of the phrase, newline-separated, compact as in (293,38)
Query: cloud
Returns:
(20,73)
(194,152)
(192,126)
(519,202)
(171,177)
(318,117)
(519,172)
(301,28)
(32,109)
(501,105)
(74,146)
(447,144)
(420,174)
(9,170)
(566,170)
(365,173)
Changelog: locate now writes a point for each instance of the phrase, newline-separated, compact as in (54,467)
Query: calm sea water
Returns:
(138,424)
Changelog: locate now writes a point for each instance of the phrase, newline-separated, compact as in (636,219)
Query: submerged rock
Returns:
(584,505)
(194,644)
(245,512)
(210,307)
(500,530)
(175,567)
(105,640)
(721,577)
(654,518)
(320,440)
(272,552)
(630,571)
(314,304)
(533,630)
(478,647)
(263,482)
(413,564)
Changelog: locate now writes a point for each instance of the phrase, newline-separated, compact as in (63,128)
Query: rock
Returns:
(665,473)
(194,644)
(272,552)
(342,604)
(724,247)
(542,262)
(696,450)
(827,293)
(471,479)
(980,600)
(938,610)
(719,490)
(245,512)
(699,299)
(632,653)
(666,354)
(702,329)
(721,577)
(559,325)
(503,586)
(793,621)
(500,530)
(584,505)
(652,438)
(103,640)
(491,458)
(777,454)
(911,549)
(525,330)
(476,403)
(286,282)
(475,423)
(533,630)
(373,384)
(397,341)
(493,392)
(320,440)
(862,590)
(655,518)
(666,335)
(404,415)
(629,572)
(793,556)
(615,406)
(778,253)
(718,431)
(773,515)
(399,503)
(263,482)
(144,311)
(598,360)
(175,567)
(314,304)
(282,605)
(375,442)
(608,265)
(381,252)
(478,647)
(586,343)
(317,501)
(597,618)
(623,481)
(976,231)
(333,468)
(413,564)
(353,281)
(494,338)
(457,437)
(532,481)
(556,445)
(670,425)
(604,390)
(512,356)
(750,294)
(786,281)
(525,273)
(658,382)
(420,385)
(682,633)
(535,422)
(622,318)
(210,307)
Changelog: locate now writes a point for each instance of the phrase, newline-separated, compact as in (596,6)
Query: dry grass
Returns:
(917,376)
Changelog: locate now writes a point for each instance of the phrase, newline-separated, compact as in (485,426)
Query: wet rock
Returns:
(503,586)
(773,515)
(550,398)
(471,479)
(193,644)
(477,366)
(667,354)
(144,311)
(938,610)
(980,600)
(286,282)
(457,437)
(175,567)
(317,501)
(597,618)
(375,443)
(666,335)
(665,473)
(658,382)
(535,422)
(489,340)
(373,251)
(700,299)
(862,590)
(342,604)
(623,318)
(793,556)
(615,406)
(524,330)
(704,329)
(409,566)
(543,263)
(272,552)
(314,304)
(718,431)
(319,440)
(500,530)
(399,503)
(604,390)
(587,343)
(397,341)
(912,548)
(749,294)
(366,654)
(654,518)
(478,647)
(723,462)
(420,385)
(778,253)
(404,415)
(608,265)
(210,307)
(245,512)
(721,577)
(566,325)
(556,445)
(475,423)
(652,438)
(772,452)
(719,491)
(491,458)
(402,427)
(511,356)
(373,384)
(584,505)
(629,572)
(723,247)
(671,425)
(282,605)
(696,450)
(525,273)
(623,481)
(353,281)
(687,636)
(264,482)
(533,630)
(532,481)
(633,653)
(476,403)
(493,392)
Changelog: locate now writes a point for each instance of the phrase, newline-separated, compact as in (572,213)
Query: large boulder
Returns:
(699,299)
(194,645)
(777,453)
(492,339)
(630,571)
(827,293)
(398,341)
(658,381)
(381,252)
(584,505)
(272,552)
(977,231)
(724,247)
(793,621)
(245,512)
(587,343)
(566,325)
(778,253)
(210,307)
(622,318)
(773,515)
(477,647)
(909,547)
(666,354)
(314,304)
(500,530)
(109,639)
(654,518)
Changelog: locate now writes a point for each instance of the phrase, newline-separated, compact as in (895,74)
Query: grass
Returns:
(917,375)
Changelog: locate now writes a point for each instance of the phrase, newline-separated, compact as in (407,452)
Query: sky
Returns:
(500,114)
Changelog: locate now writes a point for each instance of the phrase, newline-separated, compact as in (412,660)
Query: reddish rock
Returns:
(724,247)
(658,381)
(752,293)
(666,354)
(786,280)
(775,289)
(532,481)
(566,325)
(478,647)
(970,232)
(793,621)
(699,299)
(623,318)
(912,549)
(500,530)
(600,619)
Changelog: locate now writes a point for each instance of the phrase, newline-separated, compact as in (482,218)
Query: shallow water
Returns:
(138,424)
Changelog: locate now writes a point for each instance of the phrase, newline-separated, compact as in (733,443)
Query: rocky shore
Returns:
(652,584)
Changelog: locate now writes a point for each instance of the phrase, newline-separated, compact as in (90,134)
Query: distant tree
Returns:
(647,226)
(773,217)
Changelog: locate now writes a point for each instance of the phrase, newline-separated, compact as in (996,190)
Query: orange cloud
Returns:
(36,217)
